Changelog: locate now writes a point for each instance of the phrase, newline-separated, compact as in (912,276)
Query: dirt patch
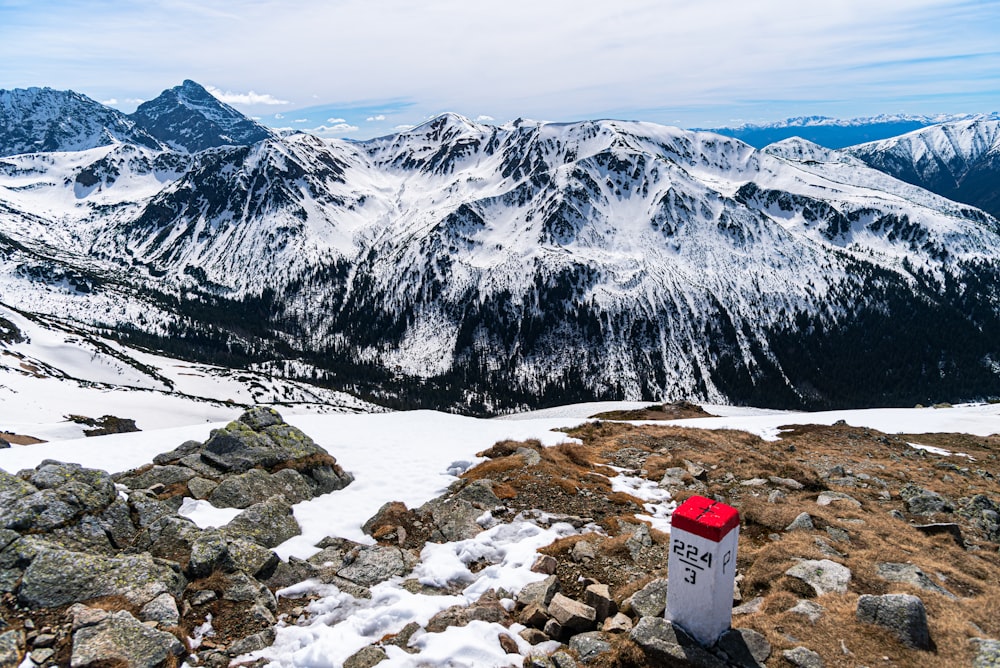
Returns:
(672,411)
(19,439)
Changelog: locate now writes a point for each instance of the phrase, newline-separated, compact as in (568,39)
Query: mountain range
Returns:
(480,268)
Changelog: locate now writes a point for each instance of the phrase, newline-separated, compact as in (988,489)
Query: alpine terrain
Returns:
(459,265)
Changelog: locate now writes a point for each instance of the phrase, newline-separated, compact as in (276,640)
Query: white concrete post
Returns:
(702,567)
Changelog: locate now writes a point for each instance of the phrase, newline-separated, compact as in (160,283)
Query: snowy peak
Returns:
(189,118)
(42,120)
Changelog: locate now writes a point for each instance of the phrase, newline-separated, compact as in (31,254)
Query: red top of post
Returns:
(706,518)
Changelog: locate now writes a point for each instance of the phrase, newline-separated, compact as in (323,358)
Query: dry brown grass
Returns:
(19,439)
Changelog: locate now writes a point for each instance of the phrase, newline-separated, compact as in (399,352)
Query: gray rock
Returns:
(920,501)
(639,541)
(650,601)
(598,596)
(452,518)
(939,528)
(544,563)
(60,577)
(803,522)
(987,653)
(250,558)
(200,488)
(376,563)
(269,523)
(828,498)
(121,639)
(11,648)
(561,659)
(256,486)
(170,537)
(572,615)
(168,475)
(533,636)
(242,445)
(366,657)
(589,645)
(902,614)
(208,552)
(183,450)
(162,609)
(745,648)
(259,417)
(40,656)
(823,576)
(808,609)
(912,575)
(673,478)
(116,521)
(583,551)
(750,607)
(668,643)
(147,509)
(776,496)
(801,657)
(242,587)
(539,593)
(789,483)
(252,643)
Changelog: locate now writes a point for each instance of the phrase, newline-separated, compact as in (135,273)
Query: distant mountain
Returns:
(35,120)
(479,268)
(832,132)
(189,118)
(958,160)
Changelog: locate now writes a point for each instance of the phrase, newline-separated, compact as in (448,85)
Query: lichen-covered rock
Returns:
(572,615)
(588,646)
(59,577)
(666,642)
(269,523)
(166,475)
(987,653)
(370,565)
(257,439)
(208,552)
(121,639)
(920,501)
(248,557)
(802,657)
(366,657)
(822,575)
(256,486)
(11,648)
(162,609)
(650,601)
(902,614)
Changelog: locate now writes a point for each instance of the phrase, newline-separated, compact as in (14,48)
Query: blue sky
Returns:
(361,68)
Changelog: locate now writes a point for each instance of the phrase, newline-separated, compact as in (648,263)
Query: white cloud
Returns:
(279,116)
(301,120)
(380,117)
(404,127)
(109,103)
(334,130)
(335,120)
(483,118)
(250,98)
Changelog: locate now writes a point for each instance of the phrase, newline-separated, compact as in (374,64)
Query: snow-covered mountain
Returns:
(463,265)
(838,132)
(45,120)
(959,160)
(189,118)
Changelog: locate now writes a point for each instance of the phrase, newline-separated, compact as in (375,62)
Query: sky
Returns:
(364,68)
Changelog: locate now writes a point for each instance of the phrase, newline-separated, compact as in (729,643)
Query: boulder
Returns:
(59,577)
(373,564)
(539,593)
(670,645)
(802,657)
(269,523)
(802,522)
(366,657)
(987,653)
(822,575)
(920,501)
(598,596)
(650,601)
(240,587)
(589,645)
(11,648)
(121,639)
(162,609)
(250,558)
(744,648)
(572,615)
(902,614)
(911,575)
(256,486)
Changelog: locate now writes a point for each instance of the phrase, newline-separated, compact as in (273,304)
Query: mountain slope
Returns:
(476,267)
(959,160)
(36,120)
(189,118)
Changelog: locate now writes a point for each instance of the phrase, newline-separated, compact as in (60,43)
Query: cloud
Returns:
(334,130)
(109,103)
(372,119)
(250,99)
(301,120)
(335,120)
(403,127)
(279,116)
(483,118)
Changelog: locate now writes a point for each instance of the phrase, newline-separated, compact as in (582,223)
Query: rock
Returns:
(11,648)
(171,537)
(553,629)
(208,552)
(531,457)
(242,587)
(902,614)
(452,518)
(256,486)
(460,615)
(666,642)
(940,528)
(544,564)
(534,616)
(822,576)
(184,449)
(561,659)
(803,522)
(121,639)
(250,558)
(243,445)
(776,496)
(598,596)
(508,644)
(533,636)
(41,656)
(269,523)
(162,609)
(639,540)
(376,563)
(812,611)
(366,657)
(539,593)
(43,640)
(572,615)
(789,483)
(620,623)
(260,417)
(911,575)
(673,478)
(750,607)
(60,577)
(920,501)
(589,645)
(745,648)
(402,639)
(650,601)
(801,657)
(987,653)
(827,498)
(168,475)
(252,643)
(200,488)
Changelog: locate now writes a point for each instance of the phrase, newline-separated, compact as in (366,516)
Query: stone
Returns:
(539,593)
(402,639)
(533,636)
(650,601)
(242,587)
(366,657)
(202,596)
(920,501)
(184,449)
(60,577)
(553,629)
(803,522)
(260,417)
(43,640)
(639,541)
(11,648)
(250,558)
(269,523)
(508,644)
(598,596)
(808,609)
(802,657)
(589,645)
(940,528)
(561,659)
(252,643)
(669,644)
(911,575)
(377,563)
(750,607)
(620,623)
(776,496)
(41,655)
(208,552)
(572,615)
(745,648)
(828,498)
(673,478)
(162,609)
(533,616)
(200,488)
(122,639)
(168,475)
(822,576)
(902,614)
(789,483)
(544,564)
(452,518)
(256,486)
(460,615)
(987,653)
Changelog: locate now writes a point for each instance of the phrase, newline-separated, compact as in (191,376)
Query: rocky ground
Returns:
(856,549)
